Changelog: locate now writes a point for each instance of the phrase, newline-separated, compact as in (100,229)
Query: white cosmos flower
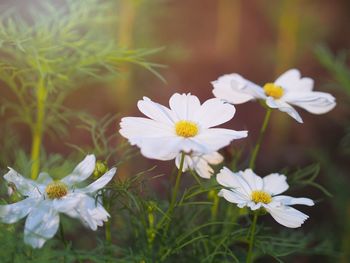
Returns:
(45,199)
(288,89)
(185,127)
(200,163)
(245,188)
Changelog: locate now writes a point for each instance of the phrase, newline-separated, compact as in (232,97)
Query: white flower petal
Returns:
(81,172)
(255,182)
(26,187)
(254,206)
(216,138)
(100,182)
(284,107)
(234,197)
(200,163)
(41,224)
(275,183)
(91,213)
(68,204)
(184,106)
(213,158)
(214,112)
(234,181)
(203,169)
(188,163)
(135,129)
(291,81)
(13,212)
(288,200)
(236,89)
(156,111)
(313,102)
(287,216)
(166,148)
(44,178)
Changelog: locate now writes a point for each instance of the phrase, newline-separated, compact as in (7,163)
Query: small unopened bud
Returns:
(100,169)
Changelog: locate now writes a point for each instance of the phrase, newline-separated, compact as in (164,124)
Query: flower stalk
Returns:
(37,129)
(260,138)
(108,230)
(251,239)
(177,184)
(63,239)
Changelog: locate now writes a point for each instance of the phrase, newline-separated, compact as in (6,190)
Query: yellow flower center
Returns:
(272,90)
(56,189)
(186,129)
(261,197)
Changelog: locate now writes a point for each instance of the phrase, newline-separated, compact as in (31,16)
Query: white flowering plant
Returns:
(181,182)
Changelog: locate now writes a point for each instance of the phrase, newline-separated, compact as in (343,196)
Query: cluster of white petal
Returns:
(241,186)
(297,91)
(157,138)
(43,212)
(200,163)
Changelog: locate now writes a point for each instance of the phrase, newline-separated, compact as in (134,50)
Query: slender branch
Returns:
(169,213)
(37,131)
(260,138)
(63,239)
(251,239)
(177,184)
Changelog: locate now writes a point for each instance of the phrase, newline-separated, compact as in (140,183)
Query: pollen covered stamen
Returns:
(273,90)
(186,129)
(261,197)
(56,190)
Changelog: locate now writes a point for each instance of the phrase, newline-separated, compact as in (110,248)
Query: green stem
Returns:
(63,239)
(251,239)
(260,138)
(169,213)
(37,131)
(107,205)
(177,184)
(108,230)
